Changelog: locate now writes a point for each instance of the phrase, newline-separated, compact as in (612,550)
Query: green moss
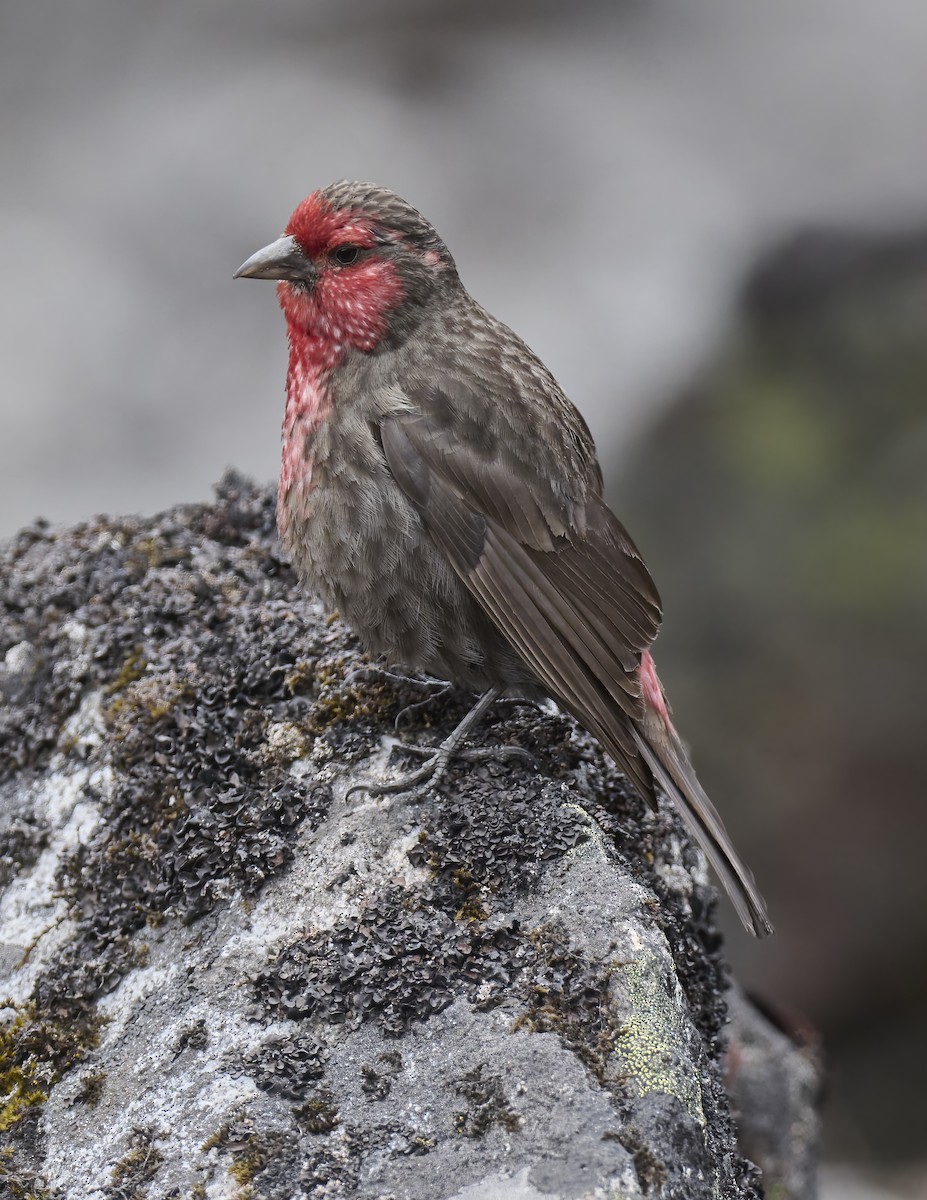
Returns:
(17,1181)
(487,1105)
(133,668)
(137,1167)
(35,1051)
(318,1114)
(91,1088)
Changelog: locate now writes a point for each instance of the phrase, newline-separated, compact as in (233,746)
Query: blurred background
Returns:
(710,219)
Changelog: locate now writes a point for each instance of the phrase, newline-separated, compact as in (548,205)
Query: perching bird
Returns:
(442,493)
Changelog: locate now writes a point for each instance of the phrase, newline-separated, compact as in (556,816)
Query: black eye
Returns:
(345,255)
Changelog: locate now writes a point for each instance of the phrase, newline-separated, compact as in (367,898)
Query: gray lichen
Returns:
(275,988)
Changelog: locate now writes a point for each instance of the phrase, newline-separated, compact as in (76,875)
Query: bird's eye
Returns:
(345,255)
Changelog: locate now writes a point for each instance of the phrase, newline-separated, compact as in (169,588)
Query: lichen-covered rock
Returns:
(225,976)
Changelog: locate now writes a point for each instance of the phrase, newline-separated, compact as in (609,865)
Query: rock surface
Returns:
(228,976)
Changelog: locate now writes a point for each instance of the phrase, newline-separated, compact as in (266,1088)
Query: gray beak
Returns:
(282,259)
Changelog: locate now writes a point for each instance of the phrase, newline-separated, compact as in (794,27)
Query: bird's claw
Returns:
(435,766)
(421,704)
(520,702)
(381,675)
(431,772)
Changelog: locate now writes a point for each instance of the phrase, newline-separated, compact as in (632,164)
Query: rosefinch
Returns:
(439,489)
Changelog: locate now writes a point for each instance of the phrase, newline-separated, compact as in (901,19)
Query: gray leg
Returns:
(381,675)
(439,757)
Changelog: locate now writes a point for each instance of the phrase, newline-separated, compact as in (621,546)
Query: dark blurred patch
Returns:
(782,506)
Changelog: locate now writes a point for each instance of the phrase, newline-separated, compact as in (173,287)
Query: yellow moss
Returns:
(318,1115)
(17,1181)
(471,907)
(146,699)
(300,679)
(247,1163)
(250,1152)
(150,553)
(34,1053)
(91,1088)
(132,669)
(17,1095)
(215,1140)
(244,1169)
(138,1165)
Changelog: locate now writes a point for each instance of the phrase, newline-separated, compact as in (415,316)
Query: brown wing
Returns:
(562,579)
(558,574)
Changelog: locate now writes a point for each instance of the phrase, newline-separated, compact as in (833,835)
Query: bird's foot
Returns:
(520,702)
(381,675)
(437,759)
(437,688)
(421,705)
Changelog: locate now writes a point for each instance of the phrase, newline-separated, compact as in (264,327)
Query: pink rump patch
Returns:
(652,689)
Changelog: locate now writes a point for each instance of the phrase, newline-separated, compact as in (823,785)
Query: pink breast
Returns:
(306,407)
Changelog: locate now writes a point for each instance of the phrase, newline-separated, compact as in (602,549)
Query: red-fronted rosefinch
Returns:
(440,490)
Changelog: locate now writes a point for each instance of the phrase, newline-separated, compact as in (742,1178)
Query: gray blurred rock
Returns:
(775,1090)
(227,977)
(604,172)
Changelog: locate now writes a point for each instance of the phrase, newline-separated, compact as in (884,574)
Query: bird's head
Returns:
(357,267)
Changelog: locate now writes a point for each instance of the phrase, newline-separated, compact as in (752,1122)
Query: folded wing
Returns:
(561,578)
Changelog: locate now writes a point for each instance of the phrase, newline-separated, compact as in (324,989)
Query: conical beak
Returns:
(282,259)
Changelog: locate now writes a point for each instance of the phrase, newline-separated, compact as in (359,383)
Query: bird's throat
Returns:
(307,404)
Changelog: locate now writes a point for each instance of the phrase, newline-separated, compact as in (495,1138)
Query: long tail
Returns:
(665,755)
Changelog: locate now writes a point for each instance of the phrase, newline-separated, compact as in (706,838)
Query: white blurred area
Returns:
(603,172)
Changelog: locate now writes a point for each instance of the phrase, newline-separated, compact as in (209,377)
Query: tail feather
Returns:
(664,754)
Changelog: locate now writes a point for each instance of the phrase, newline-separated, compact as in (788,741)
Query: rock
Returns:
(774,1081)
(226,976)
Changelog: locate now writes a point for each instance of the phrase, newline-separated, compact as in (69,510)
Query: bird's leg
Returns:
(419,705)
(521,702)
(381,675)
(436,687)
(439,757)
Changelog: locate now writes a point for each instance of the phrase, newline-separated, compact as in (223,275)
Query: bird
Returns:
(439,490)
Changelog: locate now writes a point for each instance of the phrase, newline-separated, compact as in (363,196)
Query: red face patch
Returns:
(319,228)
(348,305)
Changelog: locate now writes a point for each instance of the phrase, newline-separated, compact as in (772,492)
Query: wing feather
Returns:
(579,614)
(563,581)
